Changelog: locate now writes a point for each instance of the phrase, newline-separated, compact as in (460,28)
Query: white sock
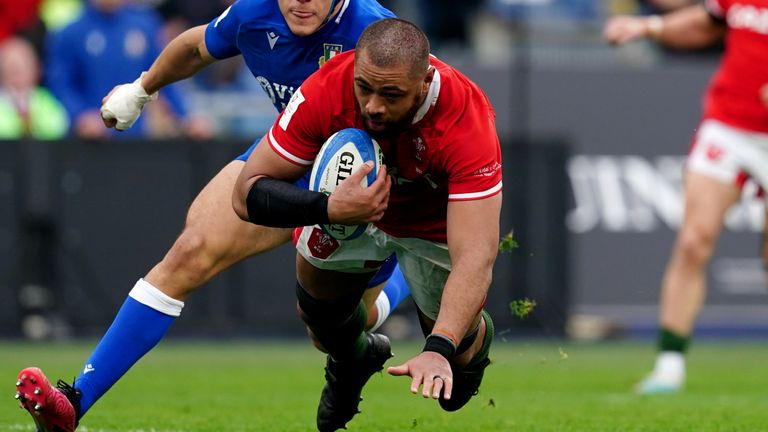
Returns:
(382,306)
(146,294)
(670,367)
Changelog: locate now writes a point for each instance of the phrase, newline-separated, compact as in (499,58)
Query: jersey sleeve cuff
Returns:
(285,154)
(469,196)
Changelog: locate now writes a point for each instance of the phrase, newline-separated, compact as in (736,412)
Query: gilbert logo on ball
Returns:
(341,155)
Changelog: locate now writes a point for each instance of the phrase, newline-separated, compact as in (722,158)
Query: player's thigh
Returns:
(425,266)
(211,216)
(323,284)
(707,200)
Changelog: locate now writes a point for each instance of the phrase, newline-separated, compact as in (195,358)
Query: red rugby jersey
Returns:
(733,94)
(451,151)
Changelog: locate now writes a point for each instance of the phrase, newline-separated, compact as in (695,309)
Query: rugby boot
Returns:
(344,384)
(54,409)
(667,376)
(466,383)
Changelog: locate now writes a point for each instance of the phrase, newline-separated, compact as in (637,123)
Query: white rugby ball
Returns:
(341,155)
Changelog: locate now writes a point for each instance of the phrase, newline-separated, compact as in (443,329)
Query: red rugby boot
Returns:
(54,409)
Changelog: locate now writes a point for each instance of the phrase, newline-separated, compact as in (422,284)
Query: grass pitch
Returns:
(531,386)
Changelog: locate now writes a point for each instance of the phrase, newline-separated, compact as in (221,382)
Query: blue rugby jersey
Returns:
(279,60)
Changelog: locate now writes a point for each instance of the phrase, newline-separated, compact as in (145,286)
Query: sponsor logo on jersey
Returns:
(296,100)
(272,38)
(748,17)
(329,50)
(278,93)
(320,244)
(714,153)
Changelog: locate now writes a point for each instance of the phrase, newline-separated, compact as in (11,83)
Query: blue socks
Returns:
(396,289)
(140,324)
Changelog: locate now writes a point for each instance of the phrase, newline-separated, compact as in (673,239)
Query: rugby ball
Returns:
(341,155)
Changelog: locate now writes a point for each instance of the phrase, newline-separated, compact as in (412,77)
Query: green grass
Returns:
(544,386)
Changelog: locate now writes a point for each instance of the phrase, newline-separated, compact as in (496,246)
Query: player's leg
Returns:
(330,304)
(764,244)
(332,277)
(387,292)
(213,239)
(684,283)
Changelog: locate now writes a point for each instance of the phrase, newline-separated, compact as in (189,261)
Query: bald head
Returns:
(394,42)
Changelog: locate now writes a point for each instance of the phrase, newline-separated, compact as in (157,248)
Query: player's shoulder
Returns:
(461,106)
(457,91)
(361,13)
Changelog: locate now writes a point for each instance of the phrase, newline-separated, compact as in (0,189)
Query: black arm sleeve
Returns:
(279,204)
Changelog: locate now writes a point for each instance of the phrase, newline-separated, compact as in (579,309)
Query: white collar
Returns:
(430,100)
(343,9)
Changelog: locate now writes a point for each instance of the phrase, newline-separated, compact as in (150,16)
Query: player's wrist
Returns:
(140,90)
(654,26)
(441,344)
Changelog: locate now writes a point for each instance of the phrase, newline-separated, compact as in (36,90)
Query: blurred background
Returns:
(593,139)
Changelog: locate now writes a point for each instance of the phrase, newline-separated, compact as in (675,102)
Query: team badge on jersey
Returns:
(329,50)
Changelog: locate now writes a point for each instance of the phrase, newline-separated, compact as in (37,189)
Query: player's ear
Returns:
(428,79)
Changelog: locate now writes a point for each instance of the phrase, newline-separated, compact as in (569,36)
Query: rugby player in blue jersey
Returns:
(282,43)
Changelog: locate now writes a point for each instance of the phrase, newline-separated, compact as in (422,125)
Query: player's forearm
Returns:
(688,28)
(463,297)
(473,243)
(183,57)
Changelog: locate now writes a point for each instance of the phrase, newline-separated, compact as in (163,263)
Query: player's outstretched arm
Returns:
(181,58)
(473,237)
(687,28)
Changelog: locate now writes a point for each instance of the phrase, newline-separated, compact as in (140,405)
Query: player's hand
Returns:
(622,29)
(428,370)
(123,105)
(351,203)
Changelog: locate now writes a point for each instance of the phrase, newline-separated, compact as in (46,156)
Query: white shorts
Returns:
(424,264)
(729,154)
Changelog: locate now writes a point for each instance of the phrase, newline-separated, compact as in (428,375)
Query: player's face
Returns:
(388,97)
(305,17)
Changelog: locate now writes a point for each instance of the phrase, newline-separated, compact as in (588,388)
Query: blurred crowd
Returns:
(59,58)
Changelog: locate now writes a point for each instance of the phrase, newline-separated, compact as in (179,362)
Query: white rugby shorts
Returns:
(425,264)
(730,155)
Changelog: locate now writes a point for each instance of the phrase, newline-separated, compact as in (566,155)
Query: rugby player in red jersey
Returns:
(437,210)
(730,146)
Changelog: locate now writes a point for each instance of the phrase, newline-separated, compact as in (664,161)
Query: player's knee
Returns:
(324,312)
(191,251)
(695,245)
